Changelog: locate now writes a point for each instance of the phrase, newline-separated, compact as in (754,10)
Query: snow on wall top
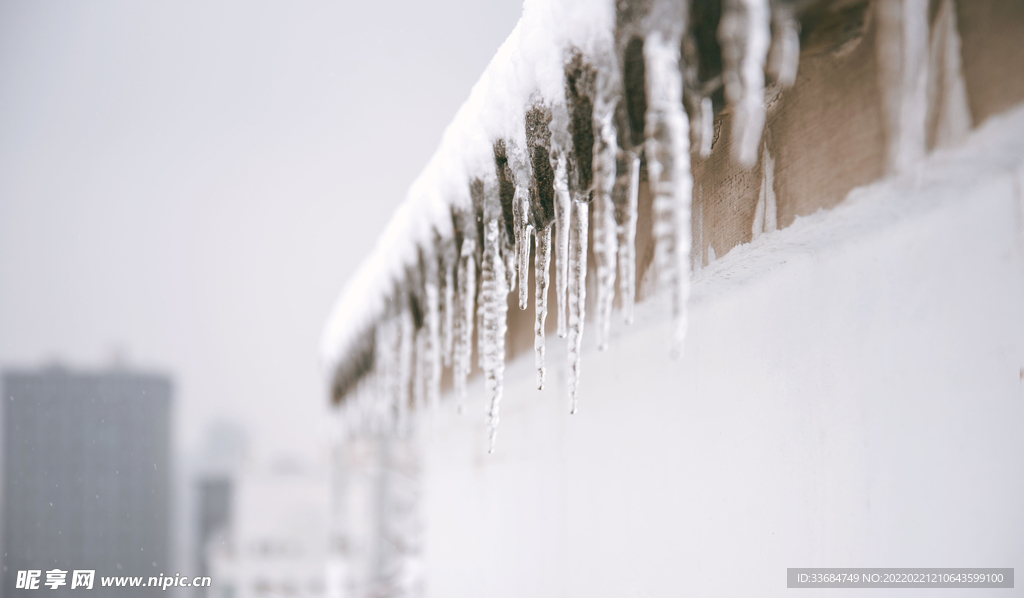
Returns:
(549,146)
(529,63)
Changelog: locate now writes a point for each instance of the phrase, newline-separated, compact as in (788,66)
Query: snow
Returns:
(544,143)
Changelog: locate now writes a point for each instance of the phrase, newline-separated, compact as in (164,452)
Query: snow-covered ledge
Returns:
(852,285)
(851,396)
(595,133)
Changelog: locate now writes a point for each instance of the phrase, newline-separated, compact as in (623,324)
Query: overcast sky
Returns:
(191,183)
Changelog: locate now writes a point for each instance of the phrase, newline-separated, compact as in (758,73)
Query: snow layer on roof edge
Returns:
(530,62)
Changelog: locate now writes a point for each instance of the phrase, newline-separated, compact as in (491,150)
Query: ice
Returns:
(406,362)
(420,375)
(577,293)
(521,220)
(494,293)
(563,210)
(668,164)
(744,34)
(464,321)
(707,126)
(511,259)
(386,365)
(541,258)
(432,342)
(902,53)
(605,229)
(784,54)
(949,118)
(552,131)
(627,234)
(766,212)
(448,308)
(523,251)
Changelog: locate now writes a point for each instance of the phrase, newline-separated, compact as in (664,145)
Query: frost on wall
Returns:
(584,100)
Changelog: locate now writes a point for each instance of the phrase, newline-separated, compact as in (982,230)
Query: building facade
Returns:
(86,475)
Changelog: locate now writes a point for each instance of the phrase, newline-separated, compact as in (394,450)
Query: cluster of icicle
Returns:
(628,102)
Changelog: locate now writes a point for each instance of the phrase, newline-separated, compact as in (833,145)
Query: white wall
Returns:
(850,396)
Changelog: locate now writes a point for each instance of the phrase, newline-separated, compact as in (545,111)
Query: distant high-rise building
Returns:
(214,504)
(86,475)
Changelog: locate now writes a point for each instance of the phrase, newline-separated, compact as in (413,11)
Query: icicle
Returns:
(784,55)
(464,321)
(406,359)
(605,239)
(522,228)
(771,210)
(707,126)
(700,111)
(494,296)
(766,213)
(563,210)
(577,293)
(448,309)
(504,204)
(511,259)
(902,53)
(541,261)
(697,257)
(949,118)
(627,240)
(744,33)
(523,250)
(420,359)
(387,369)
(668,164)
(432,343)
(522,217)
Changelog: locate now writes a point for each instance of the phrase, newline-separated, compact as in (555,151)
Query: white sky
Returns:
(193,181)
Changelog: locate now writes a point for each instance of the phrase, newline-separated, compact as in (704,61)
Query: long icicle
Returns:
(523,248)
(494,291)
(605,238)
(432,342)
(464,321)
(627,235)
(577,294)
(668,164)
(510,258)
(385,363)
(522,218)
(448,308)
(744,33)
(419,387)
(406,362)
(517,227)
(902,54)
(563,211)
(541,259)
(784,53)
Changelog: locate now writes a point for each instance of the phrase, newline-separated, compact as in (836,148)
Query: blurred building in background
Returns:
(211,494)
(274,540)
(86,474)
